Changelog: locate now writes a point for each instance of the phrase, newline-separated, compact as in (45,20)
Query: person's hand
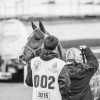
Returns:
(82,47)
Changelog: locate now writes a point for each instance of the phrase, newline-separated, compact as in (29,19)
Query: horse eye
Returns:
(37,38)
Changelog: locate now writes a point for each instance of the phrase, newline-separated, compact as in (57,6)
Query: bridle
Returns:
(34,51)
(40,48)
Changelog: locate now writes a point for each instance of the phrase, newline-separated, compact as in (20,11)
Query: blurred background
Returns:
(48,8)
(74,22)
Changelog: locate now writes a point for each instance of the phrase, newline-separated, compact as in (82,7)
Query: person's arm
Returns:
(64,83)
(92,62)
(28,79)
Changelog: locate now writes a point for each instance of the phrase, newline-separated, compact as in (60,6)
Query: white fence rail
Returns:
(9,8)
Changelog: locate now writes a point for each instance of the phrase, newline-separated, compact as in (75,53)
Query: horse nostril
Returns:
(21,56)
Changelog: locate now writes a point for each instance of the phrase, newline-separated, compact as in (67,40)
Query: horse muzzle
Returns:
(21,61)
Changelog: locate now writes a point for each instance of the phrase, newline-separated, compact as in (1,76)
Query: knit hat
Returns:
(50,43)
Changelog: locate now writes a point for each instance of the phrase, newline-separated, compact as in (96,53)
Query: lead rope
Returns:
(83,56)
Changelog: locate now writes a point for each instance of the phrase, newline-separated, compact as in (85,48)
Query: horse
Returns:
(34,45)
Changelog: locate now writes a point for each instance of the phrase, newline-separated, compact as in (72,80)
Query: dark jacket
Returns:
(80,88)
(63,79)
(98,97)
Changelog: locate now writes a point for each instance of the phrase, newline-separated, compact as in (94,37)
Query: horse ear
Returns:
(33,26)
(42,27)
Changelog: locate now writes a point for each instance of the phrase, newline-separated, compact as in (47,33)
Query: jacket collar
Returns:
(48,55)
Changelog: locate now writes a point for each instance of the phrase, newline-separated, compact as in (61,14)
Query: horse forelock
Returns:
(39,33)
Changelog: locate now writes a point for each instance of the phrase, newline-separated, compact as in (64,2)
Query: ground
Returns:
(15,91)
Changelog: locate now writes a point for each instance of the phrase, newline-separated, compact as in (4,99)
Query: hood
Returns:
(74,53)
(76,69)
(48,55)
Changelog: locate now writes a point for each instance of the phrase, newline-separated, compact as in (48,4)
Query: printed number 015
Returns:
(42,81)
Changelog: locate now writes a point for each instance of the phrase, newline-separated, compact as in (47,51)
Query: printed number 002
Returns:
(43,81)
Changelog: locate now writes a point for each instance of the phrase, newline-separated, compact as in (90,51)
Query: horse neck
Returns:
(61,53)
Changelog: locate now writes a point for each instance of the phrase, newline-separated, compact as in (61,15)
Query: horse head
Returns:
(34,44)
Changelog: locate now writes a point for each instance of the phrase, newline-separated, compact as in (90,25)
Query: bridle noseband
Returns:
(34,51)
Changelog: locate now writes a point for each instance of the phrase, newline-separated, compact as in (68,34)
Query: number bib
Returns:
(44,87)
(45,79)
(42,95)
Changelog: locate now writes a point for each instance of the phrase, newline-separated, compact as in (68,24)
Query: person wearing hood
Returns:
(48,74)
(84,66)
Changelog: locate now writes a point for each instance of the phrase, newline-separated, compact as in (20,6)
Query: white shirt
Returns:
(45,78)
